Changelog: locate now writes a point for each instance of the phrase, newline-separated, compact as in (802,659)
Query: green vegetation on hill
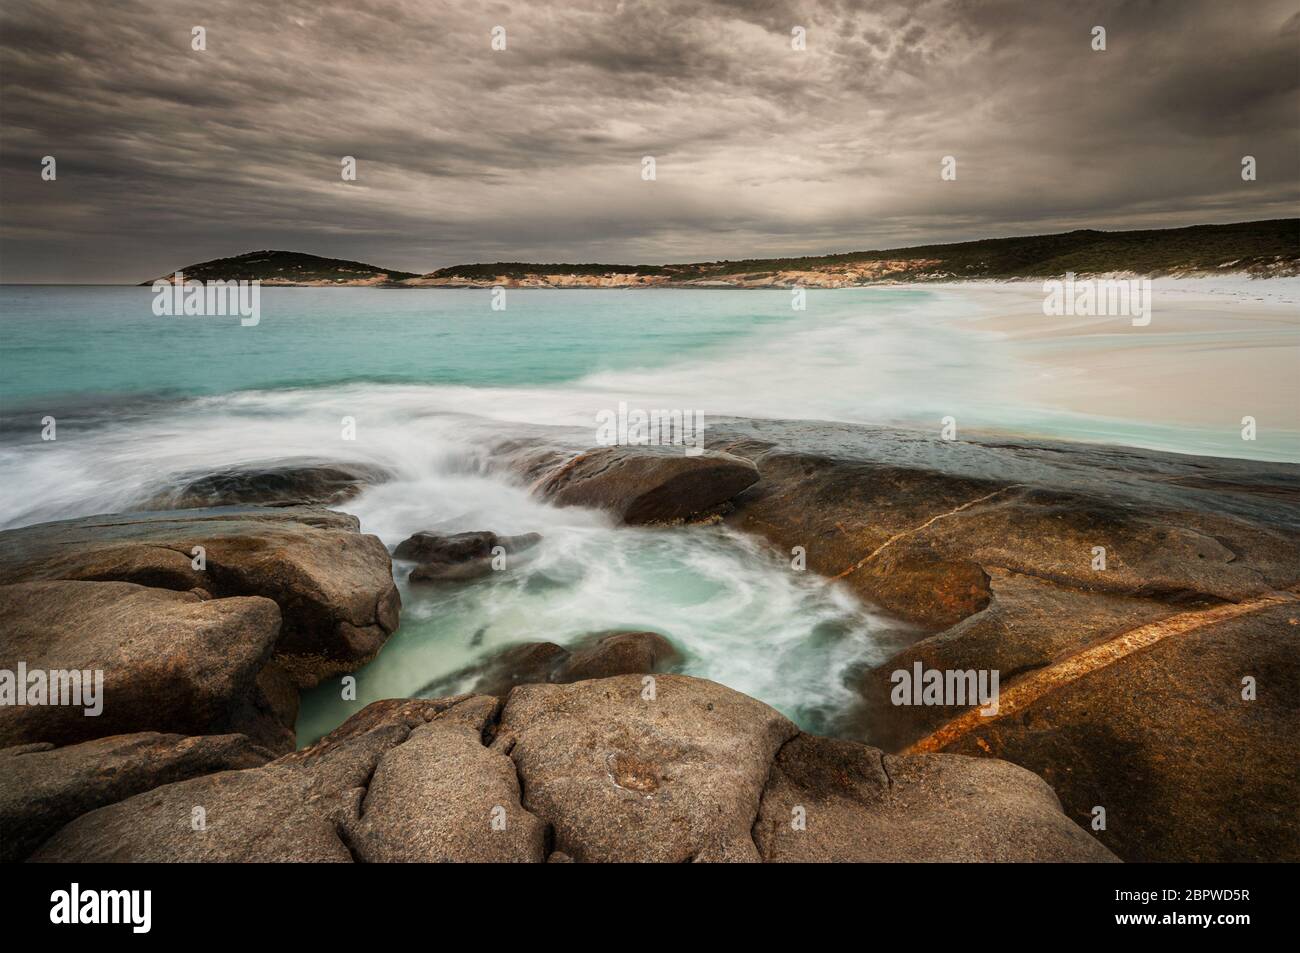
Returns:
(287,266)
(1241,246)
(1266,247)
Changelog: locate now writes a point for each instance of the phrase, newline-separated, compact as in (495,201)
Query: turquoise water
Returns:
(896,356)
(432,379)
(103,340)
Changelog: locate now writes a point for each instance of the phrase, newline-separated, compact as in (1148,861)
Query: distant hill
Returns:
(288,268)
(1262,248)
(1266,248)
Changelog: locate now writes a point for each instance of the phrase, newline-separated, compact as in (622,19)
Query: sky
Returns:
(166,155)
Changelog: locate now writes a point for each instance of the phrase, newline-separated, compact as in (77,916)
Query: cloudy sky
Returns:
(167,156)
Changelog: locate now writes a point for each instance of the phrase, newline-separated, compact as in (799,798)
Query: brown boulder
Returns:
(171,661)
(626,777)
(522,664)
(602,655)
(429,547)
(452,572)
(1123,676)
(1019,631)
(921,542)
(648,485)
(334,585)
(442,796)
(614,769)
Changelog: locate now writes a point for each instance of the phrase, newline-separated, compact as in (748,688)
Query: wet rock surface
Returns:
(641,485)
(460,557)
(430,547)
(1163,739)
(599,655)
(284,483)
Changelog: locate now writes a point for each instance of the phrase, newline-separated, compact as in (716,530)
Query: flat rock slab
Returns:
(832,801)
(921,542)
(1021,630)
(43,787)
(333,584)
(648,485)
(171,661)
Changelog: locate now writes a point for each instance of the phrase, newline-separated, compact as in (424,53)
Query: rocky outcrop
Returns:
(1027,624)
(333,585)
(611,769)
(648,485)
(921,541)
(599,655)
(1122,595)
(43,787)
(410,781)
(198,623)
(304,482)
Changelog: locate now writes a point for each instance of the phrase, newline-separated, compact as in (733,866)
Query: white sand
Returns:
(1216,350)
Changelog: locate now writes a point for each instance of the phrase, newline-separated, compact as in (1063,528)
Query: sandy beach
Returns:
(1216,350)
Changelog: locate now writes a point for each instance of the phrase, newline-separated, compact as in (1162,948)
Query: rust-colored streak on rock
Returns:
(1029,689)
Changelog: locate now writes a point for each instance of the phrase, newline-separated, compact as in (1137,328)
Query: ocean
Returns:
(431,378)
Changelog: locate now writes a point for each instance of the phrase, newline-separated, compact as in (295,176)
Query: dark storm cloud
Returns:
(167,156)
